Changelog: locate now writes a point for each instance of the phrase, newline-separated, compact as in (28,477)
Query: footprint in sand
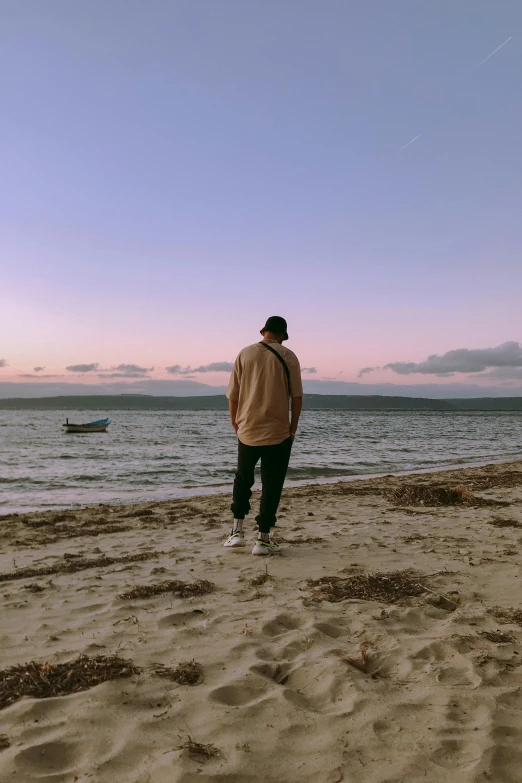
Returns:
(446,665)
(276,672)
(457,754)
(280,624)
(503,760)
(240,694)
(329,630)
(90,608)
(180,618)
(49,759)
(463,734)
(286,653)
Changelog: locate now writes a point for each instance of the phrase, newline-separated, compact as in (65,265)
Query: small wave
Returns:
(23,480)
(320,472)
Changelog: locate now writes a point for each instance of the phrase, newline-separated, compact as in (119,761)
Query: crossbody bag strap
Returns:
(285,365)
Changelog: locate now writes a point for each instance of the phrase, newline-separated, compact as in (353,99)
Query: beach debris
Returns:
(70,566)
(78,532)
(508,616)
(260,579)
(502,522)
(363,663)
(37,522)
(414,537)
(505,479)
(198,751)
(46,680)
(499,637)
(440,601)
(4,742)
(386,587)
(57,527)
(186,673)
(434,495)
(34,587)
(254,597)
(173,586)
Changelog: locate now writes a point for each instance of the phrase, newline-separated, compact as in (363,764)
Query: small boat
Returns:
(92,426)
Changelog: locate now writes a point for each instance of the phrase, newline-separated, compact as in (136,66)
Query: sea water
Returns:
(151,455)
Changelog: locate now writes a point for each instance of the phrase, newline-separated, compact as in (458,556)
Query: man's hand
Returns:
(232,406)
(297,407)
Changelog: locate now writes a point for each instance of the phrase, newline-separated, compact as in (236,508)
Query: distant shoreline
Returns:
(144,402)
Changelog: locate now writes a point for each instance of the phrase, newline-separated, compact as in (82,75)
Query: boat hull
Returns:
(85,428)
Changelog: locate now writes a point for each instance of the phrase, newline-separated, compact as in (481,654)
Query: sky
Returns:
(174,172)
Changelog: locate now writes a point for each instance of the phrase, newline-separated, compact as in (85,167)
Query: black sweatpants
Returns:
(274,464)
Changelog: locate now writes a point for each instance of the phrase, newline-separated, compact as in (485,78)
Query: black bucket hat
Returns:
(276,325)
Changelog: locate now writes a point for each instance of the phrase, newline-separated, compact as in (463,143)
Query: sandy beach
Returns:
(383,645)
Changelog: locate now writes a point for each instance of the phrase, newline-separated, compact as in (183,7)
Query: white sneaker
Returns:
(235,539)
(266,548)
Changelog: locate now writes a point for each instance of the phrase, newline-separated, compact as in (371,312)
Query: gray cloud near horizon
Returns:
(122,375)
(506,357)
(311,370)
(3,363)
(177,369)
(132,370)
(38,369)
(83,367)
(35,375)
(117,371)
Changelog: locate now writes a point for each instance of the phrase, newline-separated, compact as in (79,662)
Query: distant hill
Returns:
(489,404)
(363,402)
(117,402)
(217,402)
(143,402)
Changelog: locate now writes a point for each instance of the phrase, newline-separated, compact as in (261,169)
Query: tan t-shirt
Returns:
(258,383)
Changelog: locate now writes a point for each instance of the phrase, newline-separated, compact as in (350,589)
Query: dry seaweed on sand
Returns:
(504,479)
(499,637)
(185,673)
(174,586)
(508,616)
(386,587)
(45,680)
(434,495)
(502,522)
(301,540)
(53,533)
(34,587)
(78,532)
(363,663)
(260,579)
(68,566)
(199,751)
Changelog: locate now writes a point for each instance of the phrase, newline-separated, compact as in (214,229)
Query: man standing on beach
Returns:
(265,376)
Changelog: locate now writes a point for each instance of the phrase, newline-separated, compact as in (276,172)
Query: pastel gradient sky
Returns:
(174,171)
